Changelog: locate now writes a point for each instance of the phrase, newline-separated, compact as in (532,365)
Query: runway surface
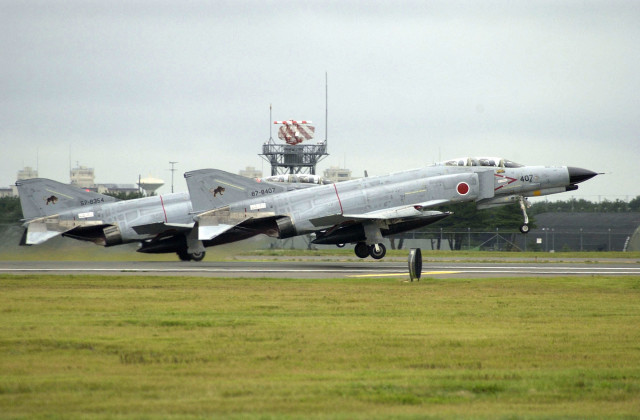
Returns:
(315,269)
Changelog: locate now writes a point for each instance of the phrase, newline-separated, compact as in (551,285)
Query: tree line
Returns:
(581,205)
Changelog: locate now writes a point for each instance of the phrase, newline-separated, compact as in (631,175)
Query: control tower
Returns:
(294,157)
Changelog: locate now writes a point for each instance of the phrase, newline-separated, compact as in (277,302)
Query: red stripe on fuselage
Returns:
(163,209)
(339,202)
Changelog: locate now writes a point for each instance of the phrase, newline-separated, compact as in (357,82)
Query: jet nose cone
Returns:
(577,175)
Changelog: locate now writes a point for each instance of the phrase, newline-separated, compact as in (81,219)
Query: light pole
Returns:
(172,171)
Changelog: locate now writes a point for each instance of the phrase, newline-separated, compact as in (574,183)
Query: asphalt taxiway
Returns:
(316,269)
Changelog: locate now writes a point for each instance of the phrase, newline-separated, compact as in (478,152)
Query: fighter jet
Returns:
(228,207)
(161,223)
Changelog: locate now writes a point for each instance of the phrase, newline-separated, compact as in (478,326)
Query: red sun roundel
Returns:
(463,188)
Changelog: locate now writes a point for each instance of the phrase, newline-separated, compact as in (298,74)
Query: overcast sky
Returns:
(127,86)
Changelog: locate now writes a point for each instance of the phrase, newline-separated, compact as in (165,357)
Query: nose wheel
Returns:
(523,205)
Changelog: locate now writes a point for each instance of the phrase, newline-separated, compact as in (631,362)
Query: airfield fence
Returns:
(544,239)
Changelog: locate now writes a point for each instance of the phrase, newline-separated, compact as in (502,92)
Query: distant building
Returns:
(6,192)
(27,173)
(250,172)
(82,177)
(337,174)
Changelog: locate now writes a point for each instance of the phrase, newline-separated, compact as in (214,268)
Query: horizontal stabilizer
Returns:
(38,233)
(45,228)
(206,233)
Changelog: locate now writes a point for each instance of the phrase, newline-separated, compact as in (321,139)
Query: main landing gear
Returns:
(185,256)
(524,228)
(376,251)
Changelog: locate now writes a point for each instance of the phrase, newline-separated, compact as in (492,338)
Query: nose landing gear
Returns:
(524,204)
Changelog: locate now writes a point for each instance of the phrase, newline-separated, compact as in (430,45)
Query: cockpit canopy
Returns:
(296,179)
(481,161)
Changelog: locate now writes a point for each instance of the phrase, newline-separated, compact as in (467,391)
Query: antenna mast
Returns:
(172,171)
(326,108)
(270,119)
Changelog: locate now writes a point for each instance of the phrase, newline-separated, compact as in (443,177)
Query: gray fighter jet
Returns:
(229,207)
(161,224)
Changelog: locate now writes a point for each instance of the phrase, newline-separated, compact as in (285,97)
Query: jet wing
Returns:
(358,227)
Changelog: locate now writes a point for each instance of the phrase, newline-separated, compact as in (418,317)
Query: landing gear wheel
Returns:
(362,250)
(340,245)
(524,228)
(183,255)
(378,253)
(197,256)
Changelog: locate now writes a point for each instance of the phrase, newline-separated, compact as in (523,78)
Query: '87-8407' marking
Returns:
(257,193)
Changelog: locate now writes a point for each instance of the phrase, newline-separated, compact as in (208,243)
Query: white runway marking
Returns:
(315,269)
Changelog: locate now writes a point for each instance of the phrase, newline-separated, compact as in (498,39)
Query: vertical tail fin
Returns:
(213,188)
(41,197)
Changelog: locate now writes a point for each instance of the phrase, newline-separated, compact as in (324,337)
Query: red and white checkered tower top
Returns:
(295,132)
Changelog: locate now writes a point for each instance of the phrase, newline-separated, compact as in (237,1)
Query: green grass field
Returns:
(162,347)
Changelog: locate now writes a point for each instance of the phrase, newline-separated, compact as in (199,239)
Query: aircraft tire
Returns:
(183,255)
(524,228)
(362,250)
(197,256)
(340,245)
(378,255)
